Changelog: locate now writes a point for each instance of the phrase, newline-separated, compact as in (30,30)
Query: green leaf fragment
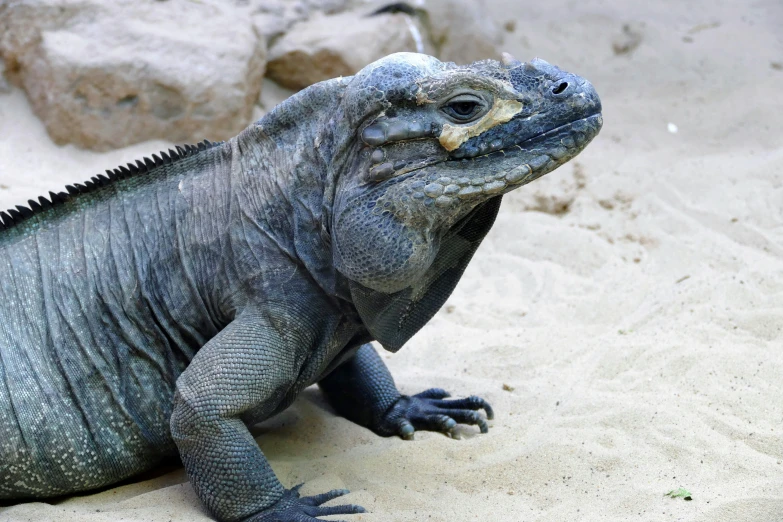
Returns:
(679,493)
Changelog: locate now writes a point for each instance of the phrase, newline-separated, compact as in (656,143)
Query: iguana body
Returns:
(168,307)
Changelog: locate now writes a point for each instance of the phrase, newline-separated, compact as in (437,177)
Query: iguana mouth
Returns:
(592,120)
(589,127)
(527,160)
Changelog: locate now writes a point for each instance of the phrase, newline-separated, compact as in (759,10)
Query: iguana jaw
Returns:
(514,166)
(451,181)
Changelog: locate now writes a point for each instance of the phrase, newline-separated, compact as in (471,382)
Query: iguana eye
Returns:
(464,108)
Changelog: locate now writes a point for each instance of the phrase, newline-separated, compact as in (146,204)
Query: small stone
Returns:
(433,190)
(463,181)
(444,180)
(508,387)
(418,195)
(451,189)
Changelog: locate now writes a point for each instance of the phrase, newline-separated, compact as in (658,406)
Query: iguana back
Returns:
(101,309)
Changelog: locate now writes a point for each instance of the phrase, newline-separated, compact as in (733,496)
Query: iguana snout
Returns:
(439,139)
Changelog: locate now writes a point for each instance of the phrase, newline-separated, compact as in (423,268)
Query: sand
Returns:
(629,336)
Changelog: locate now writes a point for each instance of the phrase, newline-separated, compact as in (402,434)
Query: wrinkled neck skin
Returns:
(287,184)
(382,185)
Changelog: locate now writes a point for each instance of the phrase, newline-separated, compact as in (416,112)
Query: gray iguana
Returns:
(166,306)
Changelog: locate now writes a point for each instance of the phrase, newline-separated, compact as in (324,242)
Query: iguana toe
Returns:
(429,411)
(293,508)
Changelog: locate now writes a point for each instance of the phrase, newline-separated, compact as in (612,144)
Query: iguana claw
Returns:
(293,508)
(430,411)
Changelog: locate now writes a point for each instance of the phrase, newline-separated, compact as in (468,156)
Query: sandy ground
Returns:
(638,333)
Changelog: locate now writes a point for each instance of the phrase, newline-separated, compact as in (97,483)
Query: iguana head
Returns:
(433,147)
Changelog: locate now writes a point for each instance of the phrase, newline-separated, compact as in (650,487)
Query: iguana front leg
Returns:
(244,372)
(363,390)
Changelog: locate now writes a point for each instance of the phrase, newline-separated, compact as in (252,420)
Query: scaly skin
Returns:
(166,310)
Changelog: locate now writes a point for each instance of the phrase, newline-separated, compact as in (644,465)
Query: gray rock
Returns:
(272,18)
(327,46)
(462,31)
(103,75)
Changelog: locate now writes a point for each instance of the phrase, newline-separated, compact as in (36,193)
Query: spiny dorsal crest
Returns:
(14,216)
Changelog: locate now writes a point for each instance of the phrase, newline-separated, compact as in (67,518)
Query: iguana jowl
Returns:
(168,306)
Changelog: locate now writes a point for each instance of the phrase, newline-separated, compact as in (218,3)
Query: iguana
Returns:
(168,305)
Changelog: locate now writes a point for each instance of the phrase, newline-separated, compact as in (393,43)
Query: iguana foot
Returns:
(429,411)
(293,508)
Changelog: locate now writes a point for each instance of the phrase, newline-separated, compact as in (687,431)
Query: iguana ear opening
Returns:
(392,319)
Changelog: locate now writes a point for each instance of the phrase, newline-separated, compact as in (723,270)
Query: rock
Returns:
(272,18)
(103,75)
(462,31)
(327,46)
(333,45)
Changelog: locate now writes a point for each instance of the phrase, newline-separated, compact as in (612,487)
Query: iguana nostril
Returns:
(560,88)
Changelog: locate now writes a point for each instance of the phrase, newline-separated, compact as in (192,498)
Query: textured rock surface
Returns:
(104,75)
(272,18)
(462,31)
(327,46)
